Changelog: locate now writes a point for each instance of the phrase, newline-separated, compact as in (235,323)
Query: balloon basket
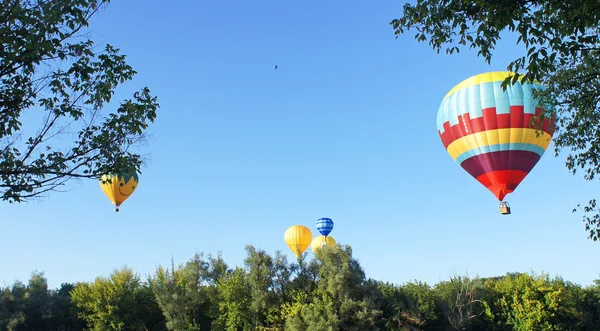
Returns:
(504,208)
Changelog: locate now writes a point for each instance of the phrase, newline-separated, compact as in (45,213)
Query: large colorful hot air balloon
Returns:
(298,238)
(120,188)
(321,241)
(324,225)
(488,131)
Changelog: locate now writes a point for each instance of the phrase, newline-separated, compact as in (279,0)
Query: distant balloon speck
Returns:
(275,67)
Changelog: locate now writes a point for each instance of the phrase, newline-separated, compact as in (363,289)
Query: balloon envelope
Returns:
(488,131)
(275,67)
(324,225)
(298,238)
(120,188)
(318,242)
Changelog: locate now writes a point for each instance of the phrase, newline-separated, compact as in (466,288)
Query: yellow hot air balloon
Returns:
(320,241)
(298,238)
(120,188)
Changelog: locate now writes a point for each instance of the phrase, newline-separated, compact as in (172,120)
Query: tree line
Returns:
(268,292)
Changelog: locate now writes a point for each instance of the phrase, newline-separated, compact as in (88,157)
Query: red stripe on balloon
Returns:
(517,160)
(492,121)
(502,182)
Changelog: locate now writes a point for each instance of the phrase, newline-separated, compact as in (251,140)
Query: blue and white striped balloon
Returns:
(324,225)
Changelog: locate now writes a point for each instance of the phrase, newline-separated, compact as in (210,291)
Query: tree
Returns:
(527,302)
(235,311)
(38,306)
(260,276)
(591,306)
(459,301)
(65,312)
(562,52)
(412,306)
(118,302)
(49,70)
(187,294)
(12,307)
(340,300)
(35,307)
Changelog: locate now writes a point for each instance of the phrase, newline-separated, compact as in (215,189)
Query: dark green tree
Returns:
(50,71)
(12,307)
(64,312)
(35,307)
(38,304)
(187,294)
(561,50)
(260,277)
(590,307)
(341,300)
(459,301)
(412,306)
(177,293)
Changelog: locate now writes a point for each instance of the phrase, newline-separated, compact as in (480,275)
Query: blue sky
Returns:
(344,128)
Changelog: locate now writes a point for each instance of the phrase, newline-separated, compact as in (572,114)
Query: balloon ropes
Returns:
(490,132)
(120,187)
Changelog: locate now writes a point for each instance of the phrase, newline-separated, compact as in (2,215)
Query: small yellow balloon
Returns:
(320,241)
(120,188)
(298,238)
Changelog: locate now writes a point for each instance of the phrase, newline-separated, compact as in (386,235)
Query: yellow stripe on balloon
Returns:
(495,76)
(498,136)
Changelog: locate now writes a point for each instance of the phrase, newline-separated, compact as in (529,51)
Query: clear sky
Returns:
(344,128)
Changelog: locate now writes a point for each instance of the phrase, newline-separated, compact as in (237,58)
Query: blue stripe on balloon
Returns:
(474,102)
(477,97)
(453,111)
(325,225)
(488,99)
(502,99)
(442,116)
(500,147)
(515,94)
(529,103)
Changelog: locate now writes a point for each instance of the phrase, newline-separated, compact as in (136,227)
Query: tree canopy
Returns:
(561,50)
(48,68)
(268,293)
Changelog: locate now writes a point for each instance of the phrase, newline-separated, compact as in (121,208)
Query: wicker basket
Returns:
(504,208)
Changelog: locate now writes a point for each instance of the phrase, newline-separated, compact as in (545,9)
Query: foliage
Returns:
(339,300)
(186,294)
(412,306)
(119,302)
(48,70)
(236,300)
(562,51)
(205,294)
(35,307)
(458,300)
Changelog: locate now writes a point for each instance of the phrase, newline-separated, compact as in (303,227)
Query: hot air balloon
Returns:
(298,238)
(324,225)
(488,131)
(120,188)
(321,241)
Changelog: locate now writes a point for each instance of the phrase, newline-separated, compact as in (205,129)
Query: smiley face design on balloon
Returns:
(120,188)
